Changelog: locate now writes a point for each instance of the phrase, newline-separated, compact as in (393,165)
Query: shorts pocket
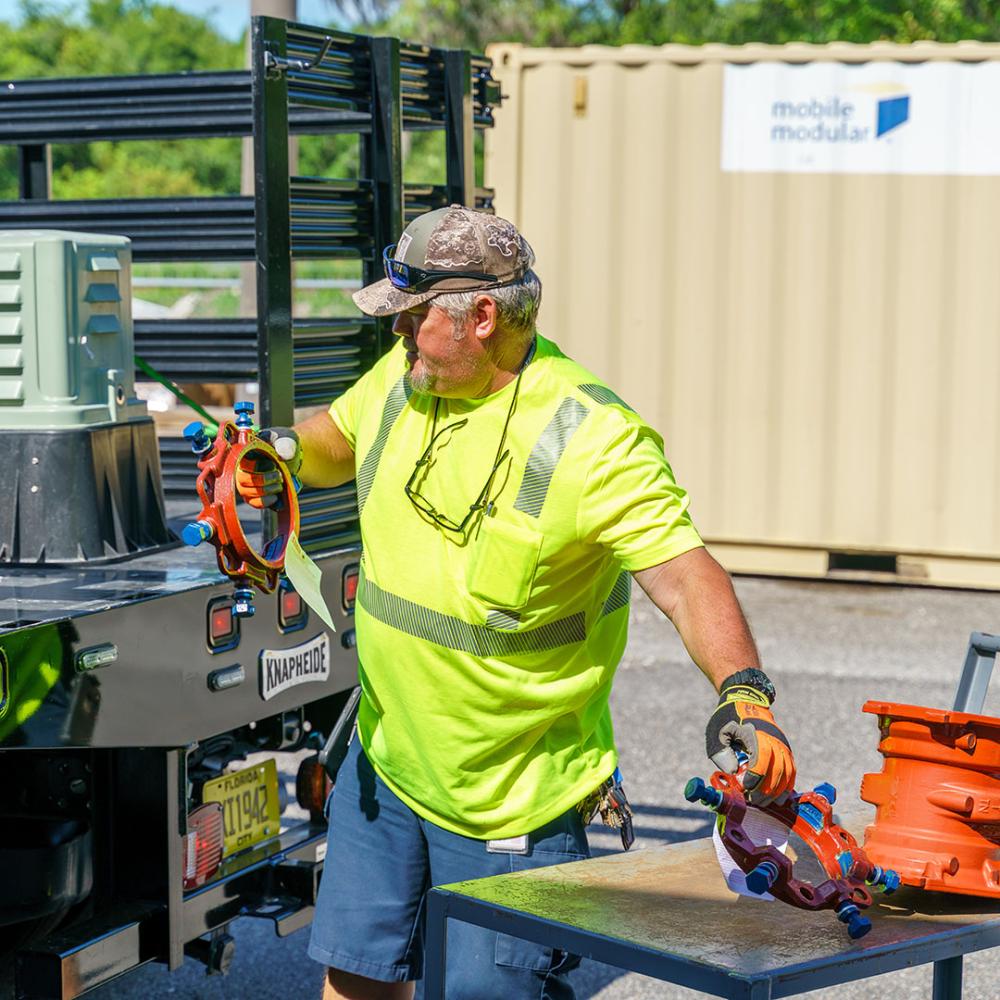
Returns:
(515,953)
(502,564)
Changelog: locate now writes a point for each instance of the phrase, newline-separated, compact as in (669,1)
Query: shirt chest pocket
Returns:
(502,564)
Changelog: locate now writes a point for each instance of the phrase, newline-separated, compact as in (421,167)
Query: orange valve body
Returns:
(937,798)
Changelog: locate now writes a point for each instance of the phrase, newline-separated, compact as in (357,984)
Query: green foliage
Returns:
(863,21)
(115,38)
(336,156)
(476,23)
(8,173)
(146,169)
(690,22)
(112,173)
(424,158)
(111,38)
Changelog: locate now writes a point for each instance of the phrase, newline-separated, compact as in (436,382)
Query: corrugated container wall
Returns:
(820,348)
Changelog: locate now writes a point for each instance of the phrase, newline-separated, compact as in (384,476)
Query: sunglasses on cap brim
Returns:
(410,278)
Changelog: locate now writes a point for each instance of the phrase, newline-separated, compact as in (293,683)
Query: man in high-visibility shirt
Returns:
(507,496)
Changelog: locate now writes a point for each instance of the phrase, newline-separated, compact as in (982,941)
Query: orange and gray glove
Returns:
(259,481)
(742,730)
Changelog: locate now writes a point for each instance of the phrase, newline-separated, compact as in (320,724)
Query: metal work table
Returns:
(665,912)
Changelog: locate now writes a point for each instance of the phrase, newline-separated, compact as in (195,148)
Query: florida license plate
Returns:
(250,808)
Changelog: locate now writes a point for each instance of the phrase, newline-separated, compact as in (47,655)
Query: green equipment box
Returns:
(79,452)
(66,330)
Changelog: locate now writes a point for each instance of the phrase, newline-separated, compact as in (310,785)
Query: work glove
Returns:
(742,730)
(258,480)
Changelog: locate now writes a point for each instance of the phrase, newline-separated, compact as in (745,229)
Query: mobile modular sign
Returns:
(872,118)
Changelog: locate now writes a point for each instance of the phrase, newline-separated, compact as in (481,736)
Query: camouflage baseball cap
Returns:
(482,250)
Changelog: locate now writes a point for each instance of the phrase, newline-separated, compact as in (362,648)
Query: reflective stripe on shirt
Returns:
(545,455)
(394,404)
(453,633)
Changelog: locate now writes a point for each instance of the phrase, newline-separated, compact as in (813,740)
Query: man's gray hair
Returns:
(517,304)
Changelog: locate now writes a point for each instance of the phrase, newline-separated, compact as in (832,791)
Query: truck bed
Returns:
(161,688)
(32,594)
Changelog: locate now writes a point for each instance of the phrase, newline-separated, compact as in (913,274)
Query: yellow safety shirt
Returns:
(486,657)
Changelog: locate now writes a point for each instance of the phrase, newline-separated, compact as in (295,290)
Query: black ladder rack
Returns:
(333,96)
(304,80)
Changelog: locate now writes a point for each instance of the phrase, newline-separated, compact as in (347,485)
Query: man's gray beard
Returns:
(422,383)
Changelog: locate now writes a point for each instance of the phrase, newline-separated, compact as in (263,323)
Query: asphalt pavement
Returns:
(828,647)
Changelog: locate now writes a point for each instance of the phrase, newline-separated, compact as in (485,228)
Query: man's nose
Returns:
(401,325)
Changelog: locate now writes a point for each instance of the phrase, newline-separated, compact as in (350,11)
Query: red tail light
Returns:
(223,627)
(312,786)
(291,605)
(292,611)
(350,590)
(203,844)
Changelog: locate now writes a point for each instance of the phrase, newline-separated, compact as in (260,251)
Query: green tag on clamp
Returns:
(305,577)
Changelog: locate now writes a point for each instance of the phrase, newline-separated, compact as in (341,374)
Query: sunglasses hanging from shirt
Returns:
(482,502)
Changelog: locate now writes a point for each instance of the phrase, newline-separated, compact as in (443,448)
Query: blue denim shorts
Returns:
(381,860)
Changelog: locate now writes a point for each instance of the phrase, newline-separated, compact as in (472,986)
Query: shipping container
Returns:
(786,258)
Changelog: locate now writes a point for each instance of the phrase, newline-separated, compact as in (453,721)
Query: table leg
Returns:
(948,979)
(758,989)
(435,946)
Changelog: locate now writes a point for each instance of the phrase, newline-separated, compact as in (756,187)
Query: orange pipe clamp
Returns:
(937,798)
(219,521)
(810,815)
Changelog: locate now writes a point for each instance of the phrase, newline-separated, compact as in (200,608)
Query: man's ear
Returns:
(485,316)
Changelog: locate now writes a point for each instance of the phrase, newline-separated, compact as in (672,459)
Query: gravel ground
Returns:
(828,646)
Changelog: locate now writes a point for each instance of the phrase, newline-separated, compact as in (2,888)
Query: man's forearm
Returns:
(696,593)
(327,458)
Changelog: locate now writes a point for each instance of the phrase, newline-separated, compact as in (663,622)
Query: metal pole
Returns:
(435,945)
(461,160)
(975,679)
(34,167)
(948,979)
(286,10)
(271,214)
(383,154)
(175,788)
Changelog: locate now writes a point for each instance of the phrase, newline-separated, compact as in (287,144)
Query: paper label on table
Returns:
(762,830)
(305,577)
